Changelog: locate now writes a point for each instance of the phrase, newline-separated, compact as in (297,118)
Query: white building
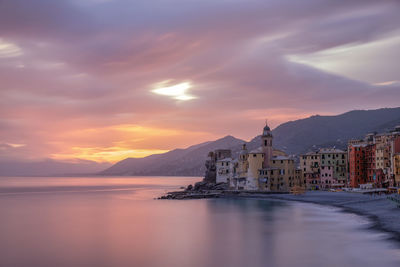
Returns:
(224,170)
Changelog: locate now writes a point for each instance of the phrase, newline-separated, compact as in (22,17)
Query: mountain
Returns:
(50,167)
(293,137)
(300,136)
(178,162)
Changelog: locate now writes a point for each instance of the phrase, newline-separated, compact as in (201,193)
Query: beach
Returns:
(384,213)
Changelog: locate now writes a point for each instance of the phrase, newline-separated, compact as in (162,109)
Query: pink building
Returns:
(327,179)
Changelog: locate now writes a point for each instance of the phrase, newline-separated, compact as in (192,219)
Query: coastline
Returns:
(383,213)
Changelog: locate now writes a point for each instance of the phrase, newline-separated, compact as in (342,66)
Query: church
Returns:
(262,169)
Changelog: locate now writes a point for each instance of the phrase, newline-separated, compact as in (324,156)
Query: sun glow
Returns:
(177,91)
(109,154)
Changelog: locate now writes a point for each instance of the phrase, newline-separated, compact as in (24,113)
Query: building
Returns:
(372,159)
(396,169)
(285,170)
(357,164)
(256,161)
(264,168)
(327,180)
(334,167)
(211,163)
(238,179)
(298,178)
(310,165)
(224,170)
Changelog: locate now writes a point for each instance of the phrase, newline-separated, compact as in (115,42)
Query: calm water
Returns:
(115,222)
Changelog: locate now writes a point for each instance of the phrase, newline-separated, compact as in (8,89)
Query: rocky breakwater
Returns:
(203,189)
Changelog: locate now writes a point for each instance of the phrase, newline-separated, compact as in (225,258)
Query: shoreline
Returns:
(386,220)
(383,213)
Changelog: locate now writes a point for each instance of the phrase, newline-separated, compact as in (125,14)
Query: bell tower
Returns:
(267,144)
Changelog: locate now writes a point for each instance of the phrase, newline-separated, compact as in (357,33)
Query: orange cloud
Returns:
(117,142)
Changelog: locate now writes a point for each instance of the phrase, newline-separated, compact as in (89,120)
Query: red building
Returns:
(362,166)
(396,144)
(357,165)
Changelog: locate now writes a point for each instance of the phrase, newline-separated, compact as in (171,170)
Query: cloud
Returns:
(72,72)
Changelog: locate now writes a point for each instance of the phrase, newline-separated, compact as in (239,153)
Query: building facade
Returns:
(310,165)
(264,168)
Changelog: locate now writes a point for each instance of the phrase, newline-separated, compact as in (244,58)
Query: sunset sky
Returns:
(108,79)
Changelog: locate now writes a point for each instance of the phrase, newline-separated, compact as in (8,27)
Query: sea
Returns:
(117,221)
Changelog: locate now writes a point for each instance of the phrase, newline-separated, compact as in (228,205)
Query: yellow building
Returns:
(287,169)
(277,172)
(243,164)
(264,168)
(256,160)
(383,155)
(298,178)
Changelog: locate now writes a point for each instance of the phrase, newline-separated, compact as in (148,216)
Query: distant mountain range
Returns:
(294,137)
(178,162)
(326,131)
(49,167)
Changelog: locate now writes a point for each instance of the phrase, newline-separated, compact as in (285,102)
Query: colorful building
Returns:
(264,168)
(334,163)
(396,169)
(310,165)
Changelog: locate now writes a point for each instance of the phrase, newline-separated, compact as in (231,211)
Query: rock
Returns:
(220,186)
(189,188)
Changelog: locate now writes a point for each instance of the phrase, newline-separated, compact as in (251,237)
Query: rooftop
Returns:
(281,158)
(330,150)
(257,151)
(224,160)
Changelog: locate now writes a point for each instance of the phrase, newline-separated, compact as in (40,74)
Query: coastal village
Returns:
(370,163)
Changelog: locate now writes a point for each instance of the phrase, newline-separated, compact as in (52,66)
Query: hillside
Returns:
(180,162)
(293,137)
(321,131)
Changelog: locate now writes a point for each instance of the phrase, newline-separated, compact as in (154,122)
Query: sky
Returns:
(104,80)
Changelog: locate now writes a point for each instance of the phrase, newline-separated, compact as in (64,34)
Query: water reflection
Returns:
(128,228)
